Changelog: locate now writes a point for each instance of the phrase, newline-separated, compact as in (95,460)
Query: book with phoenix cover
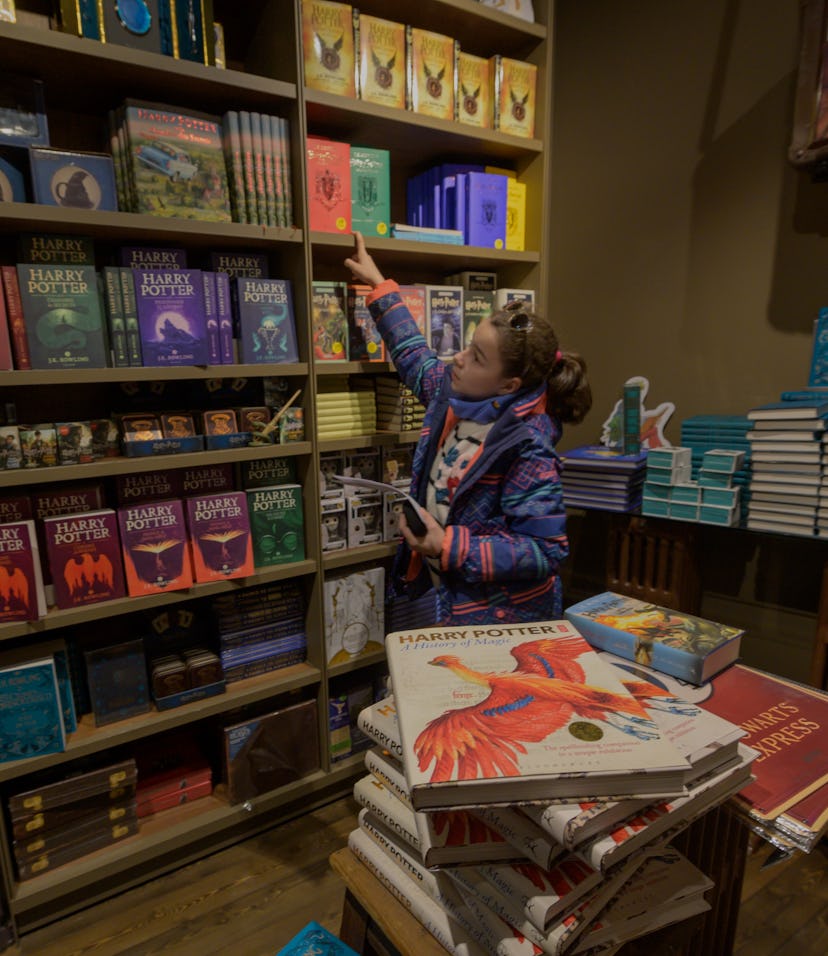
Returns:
(22,597)
(84,557)
(220,536)
(526,735)
(154,542)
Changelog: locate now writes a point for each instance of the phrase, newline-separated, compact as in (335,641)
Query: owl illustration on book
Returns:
(434,81)
(224,551)
(328,54)
(383,76)
(544,691)
(470,99)
(14,589)
(519,105)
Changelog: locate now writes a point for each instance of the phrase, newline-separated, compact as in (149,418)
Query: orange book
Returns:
(14,317)
(328,46)
(219,531)
(329,185)
(474,90)
(514,96)
(155,548)
(431,61)
(381,61)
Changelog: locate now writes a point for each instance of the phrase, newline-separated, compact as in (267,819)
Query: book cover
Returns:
(276,524)
(170,308)
(84,557)
(365,344)
(515,215)
(431,59)
(354,614)
(219,531)
(224,308)
(231,140)
(313,939)
(154,544)
(48,249)
(329,185)
(514,96)
(673,642)
(381,57)
(22,597)
(328,47)
(485,203)
(818,372)
(476,307)
(266,325)
(117,679)
(14,507)
(71,179)
(474,90)
(491,687)
(370,190)
(31,715)
(64,319)
(14,317)
(147,486)
(251,265)
(329,321)
(414,297)
(444,319)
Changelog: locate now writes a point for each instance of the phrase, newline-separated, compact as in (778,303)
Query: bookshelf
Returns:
(83,80)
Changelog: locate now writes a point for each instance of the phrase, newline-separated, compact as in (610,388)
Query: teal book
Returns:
(31,714)
(114,302)
(276,524)
(315,940)
(370,191)
(265,320)
(818,374)
(64,316)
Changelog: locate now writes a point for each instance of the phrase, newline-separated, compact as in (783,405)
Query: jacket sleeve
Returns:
(528,541)
(416,364)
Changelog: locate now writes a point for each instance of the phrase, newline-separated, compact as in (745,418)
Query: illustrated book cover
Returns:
(365,343)
(370,190)
(171,319)
(31,715)
(219,530)
(514,96)
(84,557)
(266,325)
(818,372)
(276,524)
(315,940)
(444,319)
(525,735)
(328,47)
(329,321)
(74,180)
(22,597)
(474,90)
(154,543)
(329,185)
(676,643)
(381,61)
(431,62)
(485,210)
(354,614)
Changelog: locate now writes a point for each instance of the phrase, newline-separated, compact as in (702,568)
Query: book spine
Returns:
(522,834)
(130,307)
(211,317)
(287,182)
(224,309)
(115,316)
(497,82)
(391,812)
(391,777)
(631,425)
(277,149)
(248,166)
(233,158)
(258,167)
(264,666)
(267,167)
(14,317)
(6,354)
(380,724)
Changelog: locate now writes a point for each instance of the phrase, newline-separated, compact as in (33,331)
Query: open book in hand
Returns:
(411,509)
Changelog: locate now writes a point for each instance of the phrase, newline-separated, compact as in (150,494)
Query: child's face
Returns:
(478,369)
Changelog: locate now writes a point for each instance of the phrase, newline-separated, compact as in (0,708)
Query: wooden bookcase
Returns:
(83,80)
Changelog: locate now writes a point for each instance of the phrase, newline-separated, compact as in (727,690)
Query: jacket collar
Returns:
(486,410)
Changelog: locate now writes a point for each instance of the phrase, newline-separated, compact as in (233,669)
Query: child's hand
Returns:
(431,543)
(362,265)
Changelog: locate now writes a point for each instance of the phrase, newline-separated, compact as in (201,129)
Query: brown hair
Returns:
(529,349)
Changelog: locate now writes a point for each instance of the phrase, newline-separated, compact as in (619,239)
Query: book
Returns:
(171,320)
(65,325)
(807,408)
(84,557)
(231,141)
(474,93)
(370,190)
(328,46)
(515,215)
(72,179)
(430,64)
(329,185)
(485,210)
(153,257)
(46,248)
(6,351)
(224,309)
(251,265)
(211,317)
(116,676)
(22,597)
(130,307)
(329,321)
(265,320)
(381,61)
(354,614)
(444,319)
(502,759)
(818,371)
(365,344)
(414,297)
(116,323)
(673,642)
(379,723)
(312,939)
(276,524)
(155,548)
(31,715)
(219,531)
(514,96)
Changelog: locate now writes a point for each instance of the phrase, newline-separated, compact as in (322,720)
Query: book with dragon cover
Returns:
(525,734)
(266,325)
(84,557)
(328,46)
(220,536)
(154,542)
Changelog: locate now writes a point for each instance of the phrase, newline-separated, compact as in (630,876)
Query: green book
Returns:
(42,248)
(370,190)
(276,524)
(114,303)
(133,333)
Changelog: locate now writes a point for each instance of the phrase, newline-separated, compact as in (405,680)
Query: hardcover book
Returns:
(474,90)
(329,321)
(276,524)
(431,61)
(514,96)
(444,319)
(818,372)
(31,715)
(328,46)
(313,939)
(117,680)
(381,61)
(370,190)
(263,472)
(147,486)
(22,597)
(6,351)
(329,185)
(266,325)
(485,210)
(84,557)
(220,536)
(171,320)
(515,215)
(116,323)
(224,306)
(211,317)
(14,317)
(65,325)
(525,735)
(686,646)
(154,543)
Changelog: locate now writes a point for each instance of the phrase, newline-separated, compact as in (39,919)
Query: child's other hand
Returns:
(362,266)
(431,543)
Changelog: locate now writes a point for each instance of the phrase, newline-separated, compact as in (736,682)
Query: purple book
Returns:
(153,257)
(220,536)
(252,265)
(170,305)
(211,317)
(486,210)
(224,308)
(264,311)
(147,486)
(22,596)
(206,479)
(85,557)
(154,542)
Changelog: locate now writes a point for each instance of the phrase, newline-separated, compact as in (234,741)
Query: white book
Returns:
(523,833)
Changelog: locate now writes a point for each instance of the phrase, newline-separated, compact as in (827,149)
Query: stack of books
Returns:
(703,433)
(343,411)
(595,476)
(499,804)
(787,442)
(712,497)
(398,408)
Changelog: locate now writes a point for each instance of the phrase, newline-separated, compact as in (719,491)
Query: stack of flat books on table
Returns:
(595,476)
(499,803)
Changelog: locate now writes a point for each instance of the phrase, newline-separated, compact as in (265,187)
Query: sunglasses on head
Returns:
(519,320)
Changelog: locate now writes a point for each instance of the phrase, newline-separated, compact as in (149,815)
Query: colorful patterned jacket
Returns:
(506,529)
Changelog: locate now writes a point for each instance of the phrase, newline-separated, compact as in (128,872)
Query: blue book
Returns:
(170,307)
(264,317)
(211,318)
(31,714)
(315,940)
(448,190)
(485,205)
(805,408)
(818,374)
(603,458)
(224,308)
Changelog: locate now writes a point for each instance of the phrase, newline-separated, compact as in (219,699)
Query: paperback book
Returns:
(514,92)
(474,94)
(329,321)
(84,557)
(219,531)
(370,190)
(381,66)
(31,715)
(265,319)
(444,319)
(328,46)
(22,597)
(276,524)
(431,59)
(155,549)
(171,319)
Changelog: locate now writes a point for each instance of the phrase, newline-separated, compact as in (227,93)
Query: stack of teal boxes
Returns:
(670,492)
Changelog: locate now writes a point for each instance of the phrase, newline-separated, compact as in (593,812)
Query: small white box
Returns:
(364,519)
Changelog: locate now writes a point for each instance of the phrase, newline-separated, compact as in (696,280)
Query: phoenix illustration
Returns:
(543,692)
(85,574)
(14,588)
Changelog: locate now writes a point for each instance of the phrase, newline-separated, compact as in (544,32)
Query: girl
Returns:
(485,468)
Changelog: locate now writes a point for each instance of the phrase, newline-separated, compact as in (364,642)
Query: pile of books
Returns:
(482,759)
(343,411)
(595,476)
(398,408)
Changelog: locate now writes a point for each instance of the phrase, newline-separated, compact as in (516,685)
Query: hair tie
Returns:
(558,356)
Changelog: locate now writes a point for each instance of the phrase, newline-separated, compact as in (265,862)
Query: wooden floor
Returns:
(249,900)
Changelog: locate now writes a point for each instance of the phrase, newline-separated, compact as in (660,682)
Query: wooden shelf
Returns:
(146,373)
(363,441)
(321,369)
(368,552)
(365,660)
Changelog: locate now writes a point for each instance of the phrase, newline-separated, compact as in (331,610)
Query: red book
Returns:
(154,543)
(220,536)
(414,297)
(21,584)
(14,317)
(15,508)
(84,557)
(329,185)
(6,360)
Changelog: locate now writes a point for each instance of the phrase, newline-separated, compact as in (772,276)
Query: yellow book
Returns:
(431,62)
(515,215)
(474,90)
(514,95)
(381,61)
(328,46)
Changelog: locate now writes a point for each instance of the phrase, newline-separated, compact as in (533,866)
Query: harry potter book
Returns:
(64,319)
(276,524)
(250,265)
(514,92)
(365,343)
(444,319)
(116,323)
(48,249)
(31,715)
(263,472)
(170,307)
(381,61)
(328,46)
(265,319)
(485,209)
(474,94)
(22,597)
(431,64)
(476,307)
(414,297)
(84,557)
(329,185)
(515,214)
(354,614)
(14,317)
(219,530)
(153,257)
(329,321)
(154,543)
(370,190)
